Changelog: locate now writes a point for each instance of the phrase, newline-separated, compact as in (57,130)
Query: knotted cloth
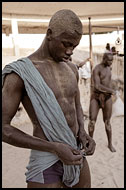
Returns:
(50,117)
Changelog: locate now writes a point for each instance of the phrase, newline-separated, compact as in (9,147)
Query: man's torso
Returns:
(104,75)
(62,81)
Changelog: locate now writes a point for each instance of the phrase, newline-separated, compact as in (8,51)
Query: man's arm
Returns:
(97,83)
(81,64)
(11,97)
(84,62)
(87,142)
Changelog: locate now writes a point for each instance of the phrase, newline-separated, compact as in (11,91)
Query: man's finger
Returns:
(77,157)
(90,150)
(84,145)
(76,152)
(78,162)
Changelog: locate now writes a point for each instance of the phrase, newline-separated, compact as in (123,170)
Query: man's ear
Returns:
(49,34)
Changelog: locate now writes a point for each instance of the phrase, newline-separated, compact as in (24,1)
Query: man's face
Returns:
(61,47)
(108,60)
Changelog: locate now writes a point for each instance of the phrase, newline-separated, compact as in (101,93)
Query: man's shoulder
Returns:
(72,66)
(14,80)
(74,69)
(98,67)
(97,70)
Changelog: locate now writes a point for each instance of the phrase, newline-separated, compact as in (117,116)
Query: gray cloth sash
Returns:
(50,117)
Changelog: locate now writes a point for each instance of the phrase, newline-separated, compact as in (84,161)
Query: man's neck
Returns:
(103,64)
(42,52)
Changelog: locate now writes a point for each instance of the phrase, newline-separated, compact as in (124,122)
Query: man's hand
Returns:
(68,155)
(88,144)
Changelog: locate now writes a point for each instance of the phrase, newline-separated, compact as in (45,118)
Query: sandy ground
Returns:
(107,168)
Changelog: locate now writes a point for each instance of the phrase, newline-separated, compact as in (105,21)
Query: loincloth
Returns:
(101,98)
(50,175)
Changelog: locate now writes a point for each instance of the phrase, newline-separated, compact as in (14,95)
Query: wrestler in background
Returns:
(101,97)
(52,61)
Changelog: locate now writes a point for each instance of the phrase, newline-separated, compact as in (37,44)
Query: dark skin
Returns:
(102,83)
(51,60)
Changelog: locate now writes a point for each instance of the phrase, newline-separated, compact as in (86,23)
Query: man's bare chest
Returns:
(60,78)
(105,74)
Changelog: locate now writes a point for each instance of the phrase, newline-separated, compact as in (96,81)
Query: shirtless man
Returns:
(52,62)
(101,97)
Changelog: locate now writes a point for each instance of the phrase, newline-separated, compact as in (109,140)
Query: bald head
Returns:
(107,56)
(107,59)
(65,21)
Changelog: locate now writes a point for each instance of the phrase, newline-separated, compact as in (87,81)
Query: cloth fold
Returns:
(50,117)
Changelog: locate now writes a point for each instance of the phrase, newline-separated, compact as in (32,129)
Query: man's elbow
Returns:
(6,133)
(97,87)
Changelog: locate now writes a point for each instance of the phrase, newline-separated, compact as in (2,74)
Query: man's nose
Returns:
(69,51)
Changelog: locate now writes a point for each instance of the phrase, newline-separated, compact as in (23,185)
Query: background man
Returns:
(101,97)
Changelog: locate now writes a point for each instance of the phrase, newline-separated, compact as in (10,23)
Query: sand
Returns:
(107,168)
